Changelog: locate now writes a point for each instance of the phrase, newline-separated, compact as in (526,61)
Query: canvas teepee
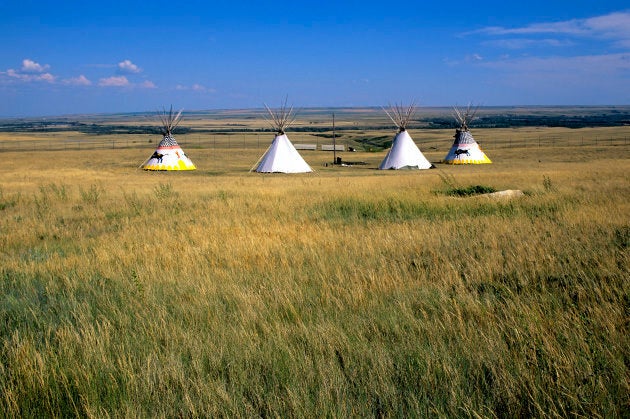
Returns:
(281,156)
(404,153)
(465,149)
(168,155)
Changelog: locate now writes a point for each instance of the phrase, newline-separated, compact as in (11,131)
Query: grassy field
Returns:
(345,292)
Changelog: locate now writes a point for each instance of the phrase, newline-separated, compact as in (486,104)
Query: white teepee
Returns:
(404,153)
(281,156)
(168,155)
(465,149)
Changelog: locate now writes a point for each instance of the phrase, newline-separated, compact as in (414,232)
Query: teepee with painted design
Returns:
(168,155)
(404,153)
(281,156)
(465,149)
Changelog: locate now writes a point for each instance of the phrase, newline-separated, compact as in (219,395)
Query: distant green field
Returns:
(347,292)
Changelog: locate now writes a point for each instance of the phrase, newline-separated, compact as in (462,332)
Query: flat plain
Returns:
(344,292)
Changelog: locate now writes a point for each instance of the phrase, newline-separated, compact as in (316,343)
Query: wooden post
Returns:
(334,141)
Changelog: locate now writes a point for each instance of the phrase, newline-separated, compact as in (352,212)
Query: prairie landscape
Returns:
(347,292)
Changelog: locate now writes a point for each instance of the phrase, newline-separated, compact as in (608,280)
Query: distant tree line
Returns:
(514,121)
(503,120)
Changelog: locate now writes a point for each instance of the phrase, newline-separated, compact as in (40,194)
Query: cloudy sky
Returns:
(73,57)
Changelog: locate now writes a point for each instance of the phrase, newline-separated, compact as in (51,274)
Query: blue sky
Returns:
(72,57)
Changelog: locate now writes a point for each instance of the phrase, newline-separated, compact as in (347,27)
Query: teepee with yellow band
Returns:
(168,155)
(465,149)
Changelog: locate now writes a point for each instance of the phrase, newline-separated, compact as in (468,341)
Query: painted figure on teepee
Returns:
(404,153)
(465,149)
(168,155)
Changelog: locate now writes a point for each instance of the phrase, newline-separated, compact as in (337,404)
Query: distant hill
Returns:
(320,120)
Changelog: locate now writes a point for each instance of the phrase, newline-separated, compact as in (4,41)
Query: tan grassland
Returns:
(347,292)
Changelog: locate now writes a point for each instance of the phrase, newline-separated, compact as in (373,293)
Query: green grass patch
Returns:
(451,187)
(352,210)
(470,190)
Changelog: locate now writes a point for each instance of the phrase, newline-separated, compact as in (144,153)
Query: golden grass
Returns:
(345,292)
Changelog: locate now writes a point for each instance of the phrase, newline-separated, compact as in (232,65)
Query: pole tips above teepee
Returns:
(281,118)
(465,116)
(169,120)
(401,115)
(168,155)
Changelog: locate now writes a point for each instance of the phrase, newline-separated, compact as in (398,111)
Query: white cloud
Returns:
(522,43)
(584,67)
(30,66)
(78,81)
(12,73)
(128,67)
(563,80)
(572,27)
(122,81)
(200,88)
(470,58)
(30,71)
(196,87)
(114,81)
(613,26)
(47,77)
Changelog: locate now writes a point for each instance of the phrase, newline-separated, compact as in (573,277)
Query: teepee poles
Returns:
(466,116)
(282,118)
(169,120)
(401,115)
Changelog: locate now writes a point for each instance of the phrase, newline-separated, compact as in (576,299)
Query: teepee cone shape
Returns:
(465,149)
(281,156)
(404,153)
(168,155)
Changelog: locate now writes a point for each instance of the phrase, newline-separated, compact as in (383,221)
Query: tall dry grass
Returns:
(341,293)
